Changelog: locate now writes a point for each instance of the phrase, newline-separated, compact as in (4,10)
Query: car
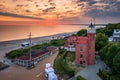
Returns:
(25,44)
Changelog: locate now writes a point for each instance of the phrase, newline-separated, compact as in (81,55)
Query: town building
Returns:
(36,55)
(83,46)
(116,36)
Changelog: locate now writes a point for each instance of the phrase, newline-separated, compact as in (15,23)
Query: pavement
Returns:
(15,72)
(90,72)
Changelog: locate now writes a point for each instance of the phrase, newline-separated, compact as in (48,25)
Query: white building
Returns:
(116,36)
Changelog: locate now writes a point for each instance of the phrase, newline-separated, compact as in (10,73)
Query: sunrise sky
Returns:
(60,11)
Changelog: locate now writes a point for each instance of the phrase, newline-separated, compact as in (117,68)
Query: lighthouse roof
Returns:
(91,25)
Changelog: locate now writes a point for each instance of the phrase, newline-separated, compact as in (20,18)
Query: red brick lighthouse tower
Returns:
(85,48)
(91,44)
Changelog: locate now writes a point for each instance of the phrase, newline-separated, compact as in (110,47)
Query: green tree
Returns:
(82,32)
(104,51)
(101,41)
(116,63)
(57,42)
(112,51)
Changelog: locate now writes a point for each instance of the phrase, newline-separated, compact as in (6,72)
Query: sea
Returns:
(8,33)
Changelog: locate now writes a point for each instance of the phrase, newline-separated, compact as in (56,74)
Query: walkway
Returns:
(15,72)
(90,72)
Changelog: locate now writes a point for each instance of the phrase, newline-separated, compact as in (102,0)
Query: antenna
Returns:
(94,20)
(30,42)
(91,21)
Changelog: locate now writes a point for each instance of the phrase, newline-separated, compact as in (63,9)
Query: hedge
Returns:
(105,76)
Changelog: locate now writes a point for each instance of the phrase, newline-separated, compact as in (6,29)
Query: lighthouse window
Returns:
(81,48)
(81,55)
(81,62)
(84,61)
(70,43)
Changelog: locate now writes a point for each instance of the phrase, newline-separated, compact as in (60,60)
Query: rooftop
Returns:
(36,53)
(116,31)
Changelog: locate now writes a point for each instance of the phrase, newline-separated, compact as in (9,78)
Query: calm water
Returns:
(21,32)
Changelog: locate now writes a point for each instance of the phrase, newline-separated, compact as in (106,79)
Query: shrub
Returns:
(80,78)
(57,42)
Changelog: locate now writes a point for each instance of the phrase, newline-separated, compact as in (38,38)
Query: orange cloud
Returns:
(8,18)
(14,21)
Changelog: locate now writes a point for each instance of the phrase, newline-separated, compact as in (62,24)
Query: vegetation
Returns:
(80,78)
(70,57)
(105,76)
(82,32)
(57,42)
(61,66)
(102,35)
(101,41)
(111,55)
(19,52)
(108,30)
(109,52)
(16,53)
(116,63)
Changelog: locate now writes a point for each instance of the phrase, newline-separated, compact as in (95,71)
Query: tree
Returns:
(82,32)
(112,51)
(57,42)
(104,51)
(101,41)
(116,63)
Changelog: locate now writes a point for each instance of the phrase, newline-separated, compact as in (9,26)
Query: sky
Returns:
(60,11)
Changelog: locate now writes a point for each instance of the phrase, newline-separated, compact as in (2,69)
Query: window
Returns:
(81,55)
(81,48)
(81,62)
(70,44)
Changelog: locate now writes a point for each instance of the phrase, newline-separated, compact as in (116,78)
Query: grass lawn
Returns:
(70,60)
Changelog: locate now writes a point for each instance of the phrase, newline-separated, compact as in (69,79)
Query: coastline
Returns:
(34,38)
(7,46)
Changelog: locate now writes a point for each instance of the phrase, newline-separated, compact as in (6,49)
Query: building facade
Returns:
(36,56)
(83,46)
(116,36)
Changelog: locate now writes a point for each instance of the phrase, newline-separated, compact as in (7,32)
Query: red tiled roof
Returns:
(82,40)
(70,39)
(76,40)
(26,57)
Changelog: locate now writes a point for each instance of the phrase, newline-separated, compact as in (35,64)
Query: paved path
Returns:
(16,72)
(90,72)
